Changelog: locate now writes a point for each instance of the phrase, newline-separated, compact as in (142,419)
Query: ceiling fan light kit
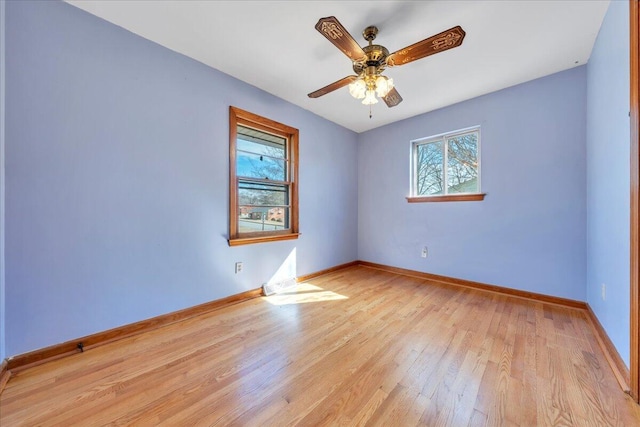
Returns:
(368,85)
(370,61)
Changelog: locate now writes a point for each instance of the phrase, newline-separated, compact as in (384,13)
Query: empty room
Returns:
(271,213)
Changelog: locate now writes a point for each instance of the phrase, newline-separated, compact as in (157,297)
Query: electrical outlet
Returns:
(238,267)
(604,292)
(425,252)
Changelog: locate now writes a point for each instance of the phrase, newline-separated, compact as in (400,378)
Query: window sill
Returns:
(261,239)
(448,198)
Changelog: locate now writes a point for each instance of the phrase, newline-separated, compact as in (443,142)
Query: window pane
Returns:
(268,150)
(429,169)
(260,166)
(462,165)
(259,142)
(264,218)
(251,193)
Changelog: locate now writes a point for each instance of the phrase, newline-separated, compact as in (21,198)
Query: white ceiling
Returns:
(273,45)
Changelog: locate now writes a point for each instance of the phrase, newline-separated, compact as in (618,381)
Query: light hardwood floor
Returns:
(355,347)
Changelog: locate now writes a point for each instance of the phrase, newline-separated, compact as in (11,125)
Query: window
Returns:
(446,167)
(263,170)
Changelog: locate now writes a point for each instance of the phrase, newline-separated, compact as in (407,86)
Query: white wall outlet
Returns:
(425,252)
(604,292)
(238,267)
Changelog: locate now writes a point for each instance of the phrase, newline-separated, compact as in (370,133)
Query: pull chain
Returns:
(370,111)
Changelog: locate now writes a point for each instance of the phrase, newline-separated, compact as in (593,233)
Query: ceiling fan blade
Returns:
(392,98)
(333,86)
(435,44)
(333,30)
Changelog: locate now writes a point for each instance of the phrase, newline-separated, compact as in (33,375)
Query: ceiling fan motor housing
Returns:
(376,57)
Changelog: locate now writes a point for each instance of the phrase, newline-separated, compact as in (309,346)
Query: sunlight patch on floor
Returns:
(304,293)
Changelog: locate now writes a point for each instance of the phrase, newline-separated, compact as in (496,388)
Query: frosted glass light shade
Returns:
(383,86)
(370,98)
(357,89)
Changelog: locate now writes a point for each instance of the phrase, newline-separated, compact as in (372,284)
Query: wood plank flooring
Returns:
(354,347)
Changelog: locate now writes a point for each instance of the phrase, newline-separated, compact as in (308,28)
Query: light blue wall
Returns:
(117,180)
(3,353)
(529,232)
(608,176)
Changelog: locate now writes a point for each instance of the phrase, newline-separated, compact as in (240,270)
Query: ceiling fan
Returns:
(370,61)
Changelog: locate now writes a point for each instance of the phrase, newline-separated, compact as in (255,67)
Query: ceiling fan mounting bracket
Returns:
(370,33)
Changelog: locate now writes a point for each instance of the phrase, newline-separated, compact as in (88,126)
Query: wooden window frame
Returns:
(250,120)
(455,197)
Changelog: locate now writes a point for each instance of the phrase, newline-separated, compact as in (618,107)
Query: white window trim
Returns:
(443,137)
